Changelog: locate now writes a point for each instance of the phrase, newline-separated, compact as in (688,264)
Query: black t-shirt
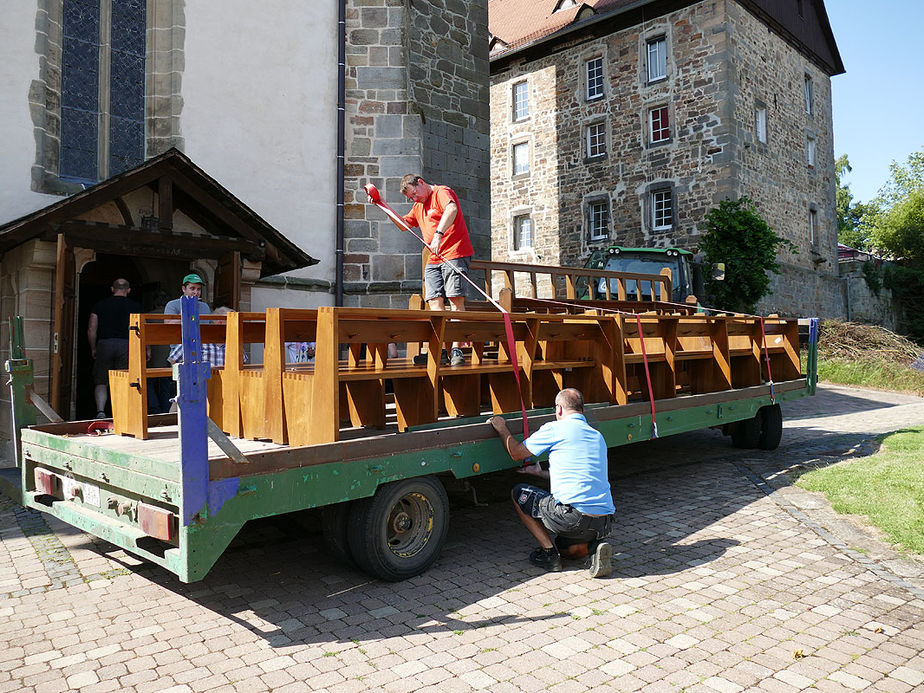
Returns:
(112,314)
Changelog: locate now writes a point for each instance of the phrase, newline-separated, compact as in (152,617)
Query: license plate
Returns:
(88,493)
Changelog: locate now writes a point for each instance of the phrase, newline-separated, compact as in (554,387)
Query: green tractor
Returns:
(686,275)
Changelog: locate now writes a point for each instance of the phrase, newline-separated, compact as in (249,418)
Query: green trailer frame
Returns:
(198,499)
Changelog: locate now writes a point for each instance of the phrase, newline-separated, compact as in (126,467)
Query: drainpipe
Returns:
(341,144)
(847,295)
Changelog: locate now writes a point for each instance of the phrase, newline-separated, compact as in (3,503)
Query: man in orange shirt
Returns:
(437,214)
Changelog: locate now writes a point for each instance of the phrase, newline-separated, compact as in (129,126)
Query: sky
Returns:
(879,103)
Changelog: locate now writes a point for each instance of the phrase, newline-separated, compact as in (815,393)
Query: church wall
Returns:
(20,34)
(259,113)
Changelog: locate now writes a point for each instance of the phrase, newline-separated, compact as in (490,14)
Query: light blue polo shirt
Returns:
(577,463)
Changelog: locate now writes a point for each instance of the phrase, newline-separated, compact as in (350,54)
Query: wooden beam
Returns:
(134,241)
(165,204)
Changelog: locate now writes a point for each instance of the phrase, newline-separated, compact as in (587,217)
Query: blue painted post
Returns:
(191,400)
(812,360)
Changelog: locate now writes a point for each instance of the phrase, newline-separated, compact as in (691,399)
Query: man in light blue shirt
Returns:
(579,509)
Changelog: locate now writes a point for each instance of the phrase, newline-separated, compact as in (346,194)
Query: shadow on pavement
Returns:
(674,498)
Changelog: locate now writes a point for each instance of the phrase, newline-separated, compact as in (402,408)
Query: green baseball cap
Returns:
(192,279)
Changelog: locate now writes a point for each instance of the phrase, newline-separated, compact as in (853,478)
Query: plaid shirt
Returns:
(213,353)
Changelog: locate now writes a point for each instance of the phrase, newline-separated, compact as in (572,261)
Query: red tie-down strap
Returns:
(641,339)
(374,198)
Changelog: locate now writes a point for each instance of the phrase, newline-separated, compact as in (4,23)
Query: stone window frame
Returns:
(163,103)
(811,150)
(651,195)
(649,124)
(813,225)
(654,35)
(761,107)
(592,202)
(586,62)
(514,103)
(592,127)
(514,145)
(808,93)
(519,215)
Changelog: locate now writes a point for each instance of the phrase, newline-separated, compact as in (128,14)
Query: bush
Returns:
(738,236)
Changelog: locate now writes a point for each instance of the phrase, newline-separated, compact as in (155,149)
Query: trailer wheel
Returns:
(399,532)
(746,433)
(771,427)
(334,528)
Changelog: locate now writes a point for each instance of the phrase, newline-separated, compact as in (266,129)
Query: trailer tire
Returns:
(335,523)
(746,433)
(398,533)
(771,427)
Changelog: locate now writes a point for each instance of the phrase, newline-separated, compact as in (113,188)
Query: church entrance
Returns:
(153,281)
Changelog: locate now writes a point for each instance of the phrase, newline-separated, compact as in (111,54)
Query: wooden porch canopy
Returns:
(181,186)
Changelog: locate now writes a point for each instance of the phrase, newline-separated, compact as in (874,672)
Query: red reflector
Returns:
(45,482)
(155,522)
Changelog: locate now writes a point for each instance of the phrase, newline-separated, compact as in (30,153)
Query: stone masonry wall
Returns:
(720,58)
(776,175)
(416,102)
(562,179)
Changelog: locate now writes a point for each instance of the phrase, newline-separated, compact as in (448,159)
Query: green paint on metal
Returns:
(138,481)
(168,471)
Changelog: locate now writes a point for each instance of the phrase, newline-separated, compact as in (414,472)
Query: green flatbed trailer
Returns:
(178,499)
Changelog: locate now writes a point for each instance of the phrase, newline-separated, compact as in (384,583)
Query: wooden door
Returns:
(228,282)
(62,337)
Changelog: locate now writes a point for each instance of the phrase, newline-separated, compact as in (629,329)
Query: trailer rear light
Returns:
(156,522)
(46,482)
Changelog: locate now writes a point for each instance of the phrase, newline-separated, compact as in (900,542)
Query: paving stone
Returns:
(712,590)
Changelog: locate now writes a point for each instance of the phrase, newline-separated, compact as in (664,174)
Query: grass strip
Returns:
(886,488)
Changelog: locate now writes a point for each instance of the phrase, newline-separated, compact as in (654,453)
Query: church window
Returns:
(102,88)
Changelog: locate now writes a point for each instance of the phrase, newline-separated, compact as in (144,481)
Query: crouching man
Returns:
(579,509)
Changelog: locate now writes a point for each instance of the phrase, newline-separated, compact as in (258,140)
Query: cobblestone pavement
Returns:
(726,578)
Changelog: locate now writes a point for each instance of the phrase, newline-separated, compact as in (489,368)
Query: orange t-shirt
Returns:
(426,216)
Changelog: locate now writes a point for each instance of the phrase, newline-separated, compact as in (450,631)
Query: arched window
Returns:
(102,88)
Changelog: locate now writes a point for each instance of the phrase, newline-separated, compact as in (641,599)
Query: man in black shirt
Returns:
(107,332)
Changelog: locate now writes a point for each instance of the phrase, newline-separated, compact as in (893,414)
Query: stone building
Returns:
(248,97)
(624,122)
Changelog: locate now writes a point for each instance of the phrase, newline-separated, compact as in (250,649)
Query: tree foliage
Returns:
(737,235)
(898,233)
(855,220)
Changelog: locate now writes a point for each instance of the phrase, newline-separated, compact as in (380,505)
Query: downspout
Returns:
(341,144)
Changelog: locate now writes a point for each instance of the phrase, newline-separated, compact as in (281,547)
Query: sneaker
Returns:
(546,558)
(421,359)
(601,562)
(456,358)
(100,415)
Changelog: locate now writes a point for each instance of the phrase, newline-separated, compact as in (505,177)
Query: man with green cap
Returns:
(192,286)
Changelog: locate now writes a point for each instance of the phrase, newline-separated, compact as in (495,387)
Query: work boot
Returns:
(601,561)
(456,358)
(546,558)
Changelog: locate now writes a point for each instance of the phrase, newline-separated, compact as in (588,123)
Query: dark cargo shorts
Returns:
(560,518)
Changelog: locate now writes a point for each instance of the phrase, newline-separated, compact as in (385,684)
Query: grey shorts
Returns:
(444,279)
(111,355)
